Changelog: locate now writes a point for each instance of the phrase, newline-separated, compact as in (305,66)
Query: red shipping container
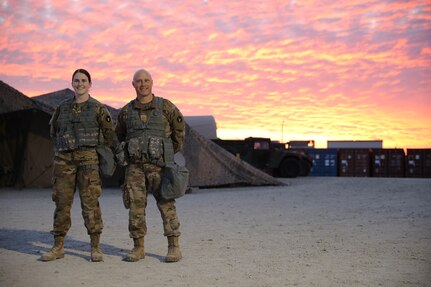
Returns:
(379,163)
(362,162)
(414,163)
(354,162)
(387,163)
(426,166)
(346,162)
(396,162)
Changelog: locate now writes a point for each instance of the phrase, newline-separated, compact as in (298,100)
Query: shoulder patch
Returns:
(108,118)
(179,119)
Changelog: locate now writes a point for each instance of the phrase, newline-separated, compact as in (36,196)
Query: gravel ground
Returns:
(315,231)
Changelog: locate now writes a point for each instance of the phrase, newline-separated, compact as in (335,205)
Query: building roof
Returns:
(356,144)
(205,125)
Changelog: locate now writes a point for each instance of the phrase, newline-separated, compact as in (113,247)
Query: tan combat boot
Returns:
(138,251)
(174,253)
(57,251)
(96,252)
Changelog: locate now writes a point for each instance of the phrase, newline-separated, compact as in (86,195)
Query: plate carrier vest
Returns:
(77,130)
(147,142)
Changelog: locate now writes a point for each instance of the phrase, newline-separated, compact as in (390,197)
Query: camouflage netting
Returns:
(211,165)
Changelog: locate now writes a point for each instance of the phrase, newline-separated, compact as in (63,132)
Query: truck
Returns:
(275,158)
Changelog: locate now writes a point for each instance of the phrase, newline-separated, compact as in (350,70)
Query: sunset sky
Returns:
(288,70)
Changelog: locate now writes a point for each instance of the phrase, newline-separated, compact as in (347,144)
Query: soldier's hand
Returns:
(53,195)
(120,154)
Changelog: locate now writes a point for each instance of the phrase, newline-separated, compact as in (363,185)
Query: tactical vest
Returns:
(147,142)
(77,130)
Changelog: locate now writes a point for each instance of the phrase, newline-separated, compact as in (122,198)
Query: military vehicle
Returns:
(270,156)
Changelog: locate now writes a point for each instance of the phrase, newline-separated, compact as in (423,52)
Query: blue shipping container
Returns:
(324,162)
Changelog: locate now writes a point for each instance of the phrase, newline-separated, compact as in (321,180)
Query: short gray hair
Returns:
(141,71)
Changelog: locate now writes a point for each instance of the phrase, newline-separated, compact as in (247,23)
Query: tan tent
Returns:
(25,147)
(209,164)
(54,99)
(13,100)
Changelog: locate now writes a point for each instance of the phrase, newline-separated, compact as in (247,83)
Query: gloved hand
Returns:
(120,154)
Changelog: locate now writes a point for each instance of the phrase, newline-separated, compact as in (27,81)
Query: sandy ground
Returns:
(313,232)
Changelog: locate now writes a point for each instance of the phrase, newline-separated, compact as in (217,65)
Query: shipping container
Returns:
(426,169)
(346,166)
(324,162)
(414,163)
(387,163)
(354,162)
(379,163)
(362,162)
(418,163)
(396,162)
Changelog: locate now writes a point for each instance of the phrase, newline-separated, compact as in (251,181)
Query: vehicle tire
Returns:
(289,167)
(305,168)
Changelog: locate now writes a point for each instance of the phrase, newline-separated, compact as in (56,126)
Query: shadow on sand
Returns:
(36,243)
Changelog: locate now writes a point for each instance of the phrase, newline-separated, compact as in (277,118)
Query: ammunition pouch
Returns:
(134,148)
(146,149)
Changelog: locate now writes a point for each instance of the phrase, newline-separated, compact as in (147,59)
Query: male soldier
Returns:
(78,126)
(152,130)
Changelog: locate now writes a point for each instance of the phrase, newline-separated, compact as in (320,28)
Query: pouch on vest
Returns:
(155,148)
(134,148)
(106,160)
(174,181)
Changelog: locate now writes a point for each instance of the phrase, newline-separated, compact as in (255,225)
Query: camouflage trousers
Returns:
(139,179)
(77,169)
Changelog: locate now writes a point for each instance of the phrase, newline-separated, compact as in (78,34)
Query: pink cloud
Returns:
(327,69)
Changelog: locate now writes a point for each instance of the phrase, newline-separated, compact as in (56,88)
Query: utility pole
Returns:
(282,132)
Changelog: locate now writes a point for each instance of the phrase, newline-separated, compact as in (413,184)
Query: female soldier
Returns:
(78,126)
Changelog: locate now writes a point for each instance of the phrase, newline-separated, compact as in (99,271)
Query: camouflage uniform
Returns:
(77,128)
(143,174)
